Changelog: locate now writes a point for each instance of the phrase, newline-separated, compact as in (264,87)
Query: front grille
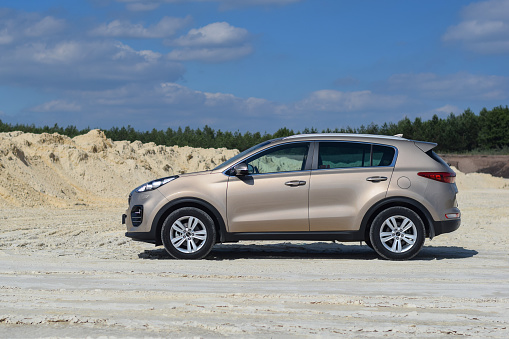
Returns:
(137,215)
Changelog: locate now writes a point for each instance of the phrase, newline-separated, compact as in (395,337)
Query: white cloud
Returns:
(448,109)
(463,86)
(5,37)
(175,94)
(215,34)
(142,6)
(338,101)
(83,64)
(165,28)
(57,106)
(45,26)
(183,106)
(484,28)
(62,52)
(19,26)
(216,42)
(487,10)
(149,5)
(220,54)
(231,4)
(172,104)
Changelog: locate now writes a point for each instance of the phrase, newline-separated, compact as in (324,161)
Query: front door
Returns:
(274,196)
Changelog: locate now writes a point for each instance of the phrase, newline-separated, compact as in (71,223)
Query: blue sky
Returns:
(249,65)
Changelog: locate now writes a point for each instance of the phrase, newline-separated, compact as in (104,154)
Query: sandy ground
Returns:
(67,270)
(72,273)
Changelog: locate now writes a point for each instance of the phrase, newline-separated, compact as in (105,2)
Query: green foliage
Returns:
(494,127)
(467,132)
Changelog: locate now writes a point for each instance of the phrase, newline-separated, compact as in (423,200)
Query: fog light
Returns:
(452,215)
(137,215)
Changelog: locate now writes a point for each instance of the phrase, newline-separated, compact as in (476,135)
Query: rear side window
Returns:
(348,154)
(343,155)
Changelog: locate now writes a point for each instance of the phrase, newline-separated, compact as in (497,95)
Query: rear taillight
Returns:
(448,177)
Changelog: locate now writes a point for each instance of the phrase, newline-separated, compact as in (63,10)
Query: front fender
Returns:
(173,205)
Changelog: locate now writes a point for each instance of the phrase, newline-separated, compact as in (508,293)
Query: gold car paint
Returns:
(264,203)
(152,202)
(339,198)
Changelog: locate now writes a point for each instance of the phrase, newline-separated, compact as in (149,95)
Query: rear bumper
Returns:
(446,226)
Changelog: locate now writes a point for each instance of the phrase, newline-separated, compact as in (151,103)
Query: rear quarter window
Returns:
(382,155)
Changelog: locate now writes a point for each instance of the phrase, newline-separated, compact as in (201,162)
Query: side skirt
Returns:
(321,236)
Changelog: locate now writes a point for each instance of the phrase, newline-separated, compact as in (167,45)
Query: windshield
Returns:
(241,154)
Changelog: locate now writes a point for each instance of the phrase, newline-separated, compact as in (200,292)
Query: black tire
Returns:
(188,233)
(368,242)
(397,233)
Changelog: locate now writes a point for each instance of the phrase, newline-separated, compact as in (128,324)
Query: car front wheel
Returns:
(188,233)
(397,233)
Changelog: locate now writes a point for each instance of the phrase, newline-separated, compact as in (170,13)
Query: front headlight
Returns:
(154,184)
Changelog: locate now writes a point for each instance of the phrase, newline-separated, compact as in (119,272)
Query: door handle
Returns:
(376,179)
(295,183)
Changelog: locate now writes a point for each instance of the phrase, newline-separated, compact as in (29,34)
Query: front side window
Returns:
(286,158)
(351,154)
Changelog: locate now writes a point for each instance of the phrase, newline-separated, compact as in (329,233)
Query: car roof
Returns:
(392,140)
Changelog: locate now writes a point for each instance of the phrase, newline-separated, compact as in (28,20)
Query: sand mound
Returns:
(496,165)
(55,170)
(479,181)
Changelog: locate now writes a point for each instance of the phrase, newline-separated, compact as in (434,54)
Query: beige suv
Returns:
(389,192)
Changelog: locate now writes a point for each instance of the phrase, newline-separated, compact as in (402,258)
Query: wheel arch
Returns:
(412,204)
(188,202)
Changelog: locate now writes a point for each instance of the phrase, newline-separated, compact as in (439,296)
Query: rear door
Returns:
(348,178)
(274,196)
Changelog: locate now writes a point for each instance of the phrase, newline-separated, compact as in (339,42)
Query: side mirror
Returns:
(241,169)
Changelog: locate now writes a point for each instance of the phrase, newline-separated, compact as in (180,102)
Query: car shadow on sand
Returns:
(317,250)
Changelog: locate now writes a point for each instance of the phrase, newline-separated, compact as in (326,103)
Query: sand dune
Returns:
(55,170)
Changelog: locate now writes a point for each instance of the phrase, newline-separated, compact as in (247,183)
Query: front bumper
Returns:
(141,236)
(137,235)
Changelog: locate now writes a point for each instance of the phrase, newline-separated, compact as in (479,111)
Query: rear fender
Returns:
(414,205)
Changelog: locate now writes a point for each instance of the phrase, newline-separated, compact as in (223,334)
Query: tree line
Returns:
(466,132)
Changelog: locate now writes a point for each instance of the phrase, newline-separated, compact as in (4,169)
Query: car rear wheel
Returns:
(397,233)
(188,233)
